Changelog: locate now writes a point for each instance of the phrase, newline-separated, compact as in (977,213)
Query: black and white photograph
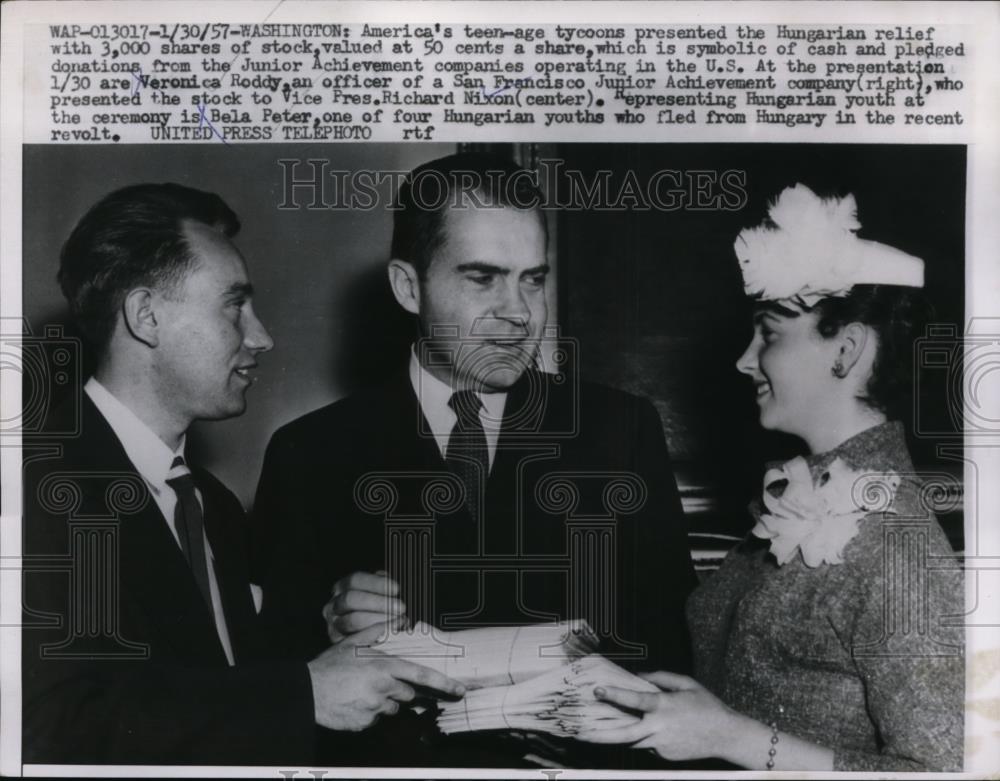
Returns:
(480,404)
(534,454)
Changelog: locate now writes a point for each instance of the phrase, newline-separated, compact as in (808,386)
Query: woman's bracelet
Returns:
(773,751)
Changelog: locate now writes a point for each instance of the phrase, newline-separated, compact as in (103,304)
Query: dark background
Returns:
(652,298)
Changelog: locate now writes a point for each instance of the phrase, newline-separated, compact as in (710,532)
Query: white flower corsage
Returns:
(819,519)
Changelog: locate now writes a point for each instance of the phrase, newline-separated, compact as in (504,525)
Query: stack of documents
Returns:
(559,702)
(493,656)
(538,678)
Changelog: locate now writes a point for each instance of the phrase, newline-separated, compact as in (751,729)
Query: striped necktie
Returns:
(189,523)
(467,454)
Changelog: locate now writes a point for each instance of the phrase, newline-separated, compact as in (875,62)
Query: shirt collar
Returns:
(147,452)
(433,395)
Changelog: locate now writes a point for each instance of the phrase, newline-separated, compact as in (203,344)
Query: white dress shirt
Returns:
(434,395)
(152,459)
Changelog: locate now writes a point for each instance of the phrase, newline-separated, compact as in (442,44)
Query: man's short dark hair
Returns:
(464,180)
(132,237)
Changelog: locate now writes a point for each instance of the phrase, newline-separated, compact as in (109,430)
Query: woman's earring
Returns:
(838,369)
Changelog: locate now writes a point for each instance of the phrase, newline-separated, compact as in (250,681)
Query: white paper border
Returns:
(982,279)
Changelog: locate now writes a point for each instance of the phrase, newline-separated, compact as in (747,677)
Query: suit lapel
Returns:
(230,575)
(418,452)
(527,445)
(526,420)
(155,579)
(406,424)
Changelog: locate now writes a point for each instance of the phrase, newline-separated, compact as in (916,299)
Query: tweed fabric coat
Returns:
(864,657)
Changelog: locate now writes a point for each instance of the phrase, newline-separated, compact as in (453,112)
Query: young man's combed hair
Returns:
(134,236)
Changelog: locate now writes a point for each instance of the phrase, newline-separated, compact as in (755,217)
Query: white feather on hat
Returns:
(811,250)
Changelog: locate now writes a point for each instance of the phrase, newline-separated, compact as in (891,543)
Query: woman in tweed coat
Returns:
(830,638)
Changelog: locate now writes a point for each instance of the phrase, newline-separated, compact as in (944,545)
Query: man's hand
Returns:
(359,601)
(353,684)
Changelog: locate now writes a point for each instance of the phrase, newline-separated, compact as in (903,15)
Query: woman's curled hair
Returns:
(898,316)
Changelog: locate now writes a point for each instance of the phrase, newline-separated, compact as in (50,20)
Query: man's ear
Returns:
(853,337)
(140,317)
(405,284)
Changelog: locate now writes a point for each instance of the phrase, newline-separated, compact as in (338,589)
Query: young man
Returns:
(511,470)
(141,639)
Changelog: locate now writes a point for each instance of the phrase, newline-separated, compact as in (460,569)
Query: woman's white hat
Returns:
(809,249)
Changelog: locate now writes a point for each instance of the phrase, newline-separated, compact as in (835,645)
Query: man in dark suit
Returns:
(141,641)
(471,489)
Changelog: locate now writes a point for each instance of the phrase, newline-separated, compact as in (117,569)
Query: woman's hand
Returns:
(684,721)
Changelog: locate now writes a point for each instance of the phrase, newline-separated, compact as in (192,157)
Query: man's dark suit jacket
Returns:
(134,672)
(568,457)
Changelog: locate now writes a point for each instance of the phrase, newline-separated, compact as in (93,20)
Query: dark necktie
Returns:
(467,454)
(190,525)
